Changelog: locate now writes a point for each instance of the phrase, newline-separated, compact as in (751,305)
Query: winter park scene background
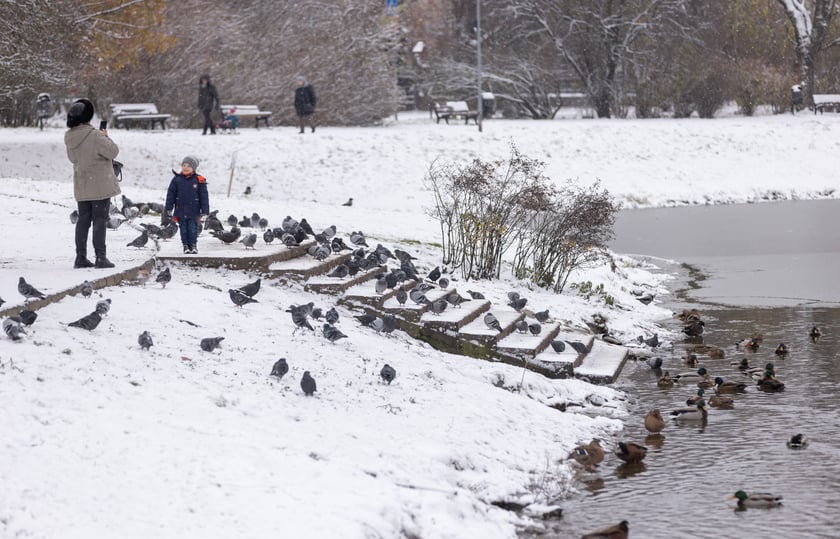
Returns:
(104,438)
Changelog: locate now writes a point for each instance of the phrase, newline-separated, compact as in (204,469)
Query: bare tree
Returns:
(812,29)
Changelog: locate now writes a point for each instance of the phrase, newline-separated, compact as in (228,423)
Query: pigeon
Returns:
(145,340)
(558,346)
(349,202)
(381,286)
(249,241)
(164,277)
(418,297)
(232,220)
(401,296)
(289,240)
(228,236)
(307,384)
(74,216)
(251,289)
(492,322)
(240,298)
(262,223)
(103,306)
(86,289)
(535,328)
(245,222)
(438,306)
(365,319)
(443,282)
(455,299)
(299,319)
(2,301)
(475,295)
(13,329)
(339,272)
(280,368)
(306,227)
(513,296)
(382,250)
(338,245)
(377,324)
(28,291)
(329,232)
(88,322)
(114,222)
(208,344)
(521,326)
(389,322)
(434,275)
(255,220)
(358,239)
(541,316)
(388,373)
(518,303)
(212,222)
(268,236)
(139,241)
(332,333)
(331,316)
(28,317)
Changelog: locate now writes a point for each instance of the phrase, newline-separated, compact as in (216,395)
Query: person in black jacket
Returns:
(304,103)
(187,201)
(208,100)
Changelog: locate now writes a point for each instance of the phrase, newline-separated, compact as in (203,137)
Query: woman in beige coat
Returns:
(92,154)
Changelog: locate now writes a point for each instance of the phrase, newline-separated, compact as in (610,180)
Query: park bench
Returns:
(145,115)
(826,101)
(248,111)
(454,109)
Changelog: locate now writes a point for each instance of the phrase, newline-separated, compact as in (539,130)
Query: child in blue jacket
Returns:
(187,202)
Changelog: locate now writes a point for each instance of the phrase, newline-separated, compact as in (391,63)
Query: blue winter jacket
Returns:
(187,197)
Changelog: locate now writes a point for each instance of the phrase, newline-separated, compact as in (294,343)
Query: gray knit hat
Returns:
(191,161)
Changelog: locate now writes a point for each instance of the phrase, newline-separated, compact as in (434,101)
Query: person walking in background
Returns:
(92,153)
(304,102)
(208,100)
(187,201)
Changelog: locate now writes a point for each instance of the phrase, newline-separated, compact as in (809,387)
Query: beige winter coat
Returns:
(91,153)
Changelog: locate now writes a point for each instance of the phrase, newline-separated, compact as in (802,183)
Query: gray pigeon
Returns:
(145,340)
(475,295)
(240,298)
(338,245)
(28,317)
(28,291)
(388,373)
(86,289)
(381,285)
(443,282)
(401,296)
(262,223)
(390,324)
(268,236)
(289,240)
(289,224)
(249,241)
(88,322)
(558,346)
(331,316)
(492,322)
(535,328)
(339,272)
(518,304)
(300,318)
(434,275)
(307,384)
(438,306)
(139,241)
(74,216)
(455,299)
(164,277)
(521,326)
(251,289)
(358,239)
(329,232)
(541,316)
(349,202)
(228,236)
(365,319)
(2,301)
(208,344)
(332,333)
(232,220)
(103,306)
(13,328)
(280,368)
(377,324)
(418,297)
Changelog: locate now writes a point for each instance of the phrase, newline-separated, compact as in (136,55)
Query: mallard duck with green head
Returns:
(630,452)
(728,386)
(686,415)
(797,441)
(692,401)
(756,499)
(654,422)
(770,384)
(691,377)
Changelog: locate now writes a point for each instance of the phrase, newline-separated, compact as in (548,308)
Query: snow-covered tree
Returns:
(812,26)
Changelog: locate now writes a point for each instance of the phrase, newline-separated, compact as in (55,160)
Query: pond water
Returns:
(760,269)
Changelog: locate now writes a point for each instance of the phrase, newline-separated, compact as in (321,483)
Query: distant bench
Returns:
(248,111)
(826,101)
(143,114)
(454,109)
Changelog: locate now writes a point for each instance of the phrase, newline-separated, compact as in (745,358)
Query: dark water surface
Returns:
(772,270)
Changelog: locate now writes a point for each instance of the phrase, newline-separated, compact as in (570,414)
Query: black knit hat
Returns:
(81,112)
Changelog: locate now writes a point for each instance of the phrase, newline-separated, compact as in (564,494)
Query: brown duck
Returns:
(654,421)
(630,452)
(588,455)
(619,531)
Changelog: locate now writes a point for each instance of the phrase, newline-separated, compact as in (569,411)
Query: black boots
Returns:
(82,262)
(103,262)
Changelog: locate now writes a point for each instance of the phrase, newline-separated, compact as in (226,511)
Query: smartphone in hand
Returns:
(103,125)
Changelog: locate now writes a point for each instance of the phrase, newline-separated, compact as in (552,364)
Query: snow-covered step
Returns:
(304,267)
(573,348)
(454,318)
(526,345)
(477,330)
(324,284)
(215,253)
(603,363)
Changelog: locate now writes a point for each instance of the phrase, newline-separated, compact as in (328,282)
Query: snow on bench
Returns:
(824,101)
(247,111)
(144,114)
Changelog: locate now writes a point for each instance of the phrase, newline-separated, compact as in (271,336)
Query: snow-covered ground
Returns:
(101,438)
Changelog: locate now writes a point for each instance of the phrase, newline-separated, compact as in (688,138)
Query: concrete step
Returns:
(526,345)
(332,285)
(478,331)
(215,254)
(562,364)
(454,318)
(305,267)
(603,363)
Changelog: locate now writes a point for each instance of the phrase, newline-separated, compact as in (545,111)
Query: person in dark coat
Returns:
(208,100)
(304,103)
(187,202)
(92,153)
